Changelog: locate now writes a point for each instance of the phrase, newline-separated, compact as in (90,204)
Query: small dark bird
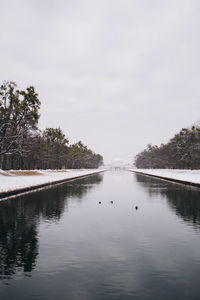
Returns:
(136,207)
(99,202)
(111,202)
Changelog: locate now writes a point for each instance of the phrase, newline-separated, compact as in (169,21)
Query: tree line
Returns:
(181,152)
(24,146)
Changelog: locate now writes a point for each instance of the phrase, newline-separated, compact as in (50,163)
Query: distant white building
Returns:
(117,164)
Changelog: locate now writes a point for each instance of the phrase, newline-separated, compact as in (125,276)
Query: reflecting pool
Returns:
(85,240)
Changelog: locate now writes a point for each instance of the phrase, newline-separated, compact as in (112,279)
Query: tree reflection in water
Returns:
(184,200)
(19,219)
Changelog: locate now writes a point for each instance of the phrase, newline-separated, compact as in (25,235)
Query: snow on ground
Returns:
(192,176)
(14,180)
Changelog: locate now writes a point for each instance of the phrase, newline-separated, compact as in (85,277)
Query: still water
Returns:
(61,243)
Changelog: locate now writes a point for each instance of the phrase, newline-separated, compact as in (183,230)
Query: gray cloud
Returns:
(116,74)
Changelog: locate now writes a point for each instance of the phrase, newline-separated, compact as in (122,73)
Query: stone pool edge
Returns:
(34,188)
(178,181)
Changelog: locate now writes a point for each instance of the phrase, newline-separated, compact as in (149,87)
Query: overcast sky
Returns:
(116,74)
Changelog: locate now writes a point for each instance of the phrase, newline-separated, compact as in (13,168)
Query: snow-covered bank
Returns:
(14,182)
(191,177)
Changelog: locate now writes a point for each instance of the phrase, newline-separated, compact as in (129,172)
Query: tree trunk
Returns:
(1,161)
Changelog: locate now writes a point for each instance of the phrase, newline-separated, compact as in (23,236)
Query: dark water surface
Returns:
(60,243)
